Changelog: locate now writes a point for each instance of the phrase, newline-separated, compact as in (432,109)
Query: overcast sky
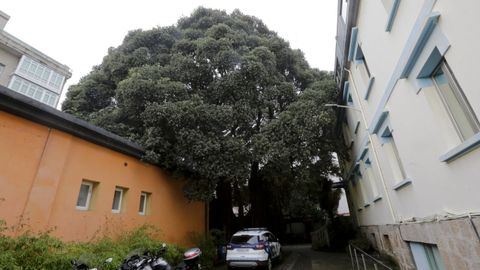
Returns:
(78,33)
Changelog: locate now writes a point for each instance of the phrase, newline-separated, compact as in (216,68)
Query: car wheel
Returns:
(280,256)
(269,264)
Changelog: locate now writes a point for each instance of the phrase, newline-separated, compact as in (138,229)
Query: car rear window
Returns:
(244,239)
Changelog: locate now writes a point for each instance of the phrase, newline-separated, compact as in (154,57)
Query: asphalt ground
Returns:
(302,257)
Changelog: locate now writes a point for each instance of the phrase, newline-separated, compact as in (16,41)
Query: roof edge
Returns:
(25,107)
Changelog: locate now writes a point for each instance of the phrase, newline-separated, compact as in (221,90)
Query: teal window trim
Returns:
(431,64)
(462,149)
(353,43)
(353,170)
(427,30)
(369,87)
(405,182)
(375,127)
(356,127)
(412,40)
(363,154)
(392,15)
(350,100)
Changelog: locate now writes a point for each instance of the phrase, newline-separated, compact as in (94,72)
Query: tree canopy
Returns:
(224,102)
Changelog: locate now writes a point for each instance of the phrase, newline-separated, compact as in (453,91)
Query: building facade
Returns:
(62,174)
(28,71)
(408,111)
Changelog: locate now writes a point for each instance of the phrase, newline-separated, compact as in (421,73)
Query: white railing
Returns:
(363,261)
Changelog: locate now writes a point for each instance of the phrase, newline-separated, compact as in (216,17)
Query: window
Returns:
(362,64)
(459,110)
(56,80)
(387,245)
(363,192)
(374,240)
(370,177)
(85,195)
(361,188)
(117,200)
(40,73)
(393,157)
(2,67)
(344,9)
(34,91)
(426,256)
(349,100)
(391,7)
(144,197)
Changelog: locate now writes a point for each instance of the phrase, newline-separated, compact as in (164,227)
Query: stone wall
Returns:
(456,239)
(388,239)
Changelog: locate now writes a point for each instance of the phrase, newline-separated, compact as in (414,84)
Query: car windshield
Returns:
(244,239)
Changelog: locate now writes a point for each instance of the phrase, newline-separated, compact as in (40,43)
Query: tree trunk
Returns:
(221,214)
(258,199)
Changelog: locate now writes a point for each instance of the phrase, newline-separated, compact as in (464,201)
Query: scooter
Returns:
(77,265)
(147,261)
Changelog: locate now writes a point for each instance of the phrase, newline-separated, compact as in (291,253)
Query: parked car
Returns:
(253,248)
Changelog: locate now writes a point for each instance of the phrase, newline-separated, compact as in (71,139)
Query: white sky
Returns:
(78,33)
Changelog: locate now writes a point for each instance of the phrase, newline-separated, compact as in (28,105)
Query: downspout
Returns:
(392,211)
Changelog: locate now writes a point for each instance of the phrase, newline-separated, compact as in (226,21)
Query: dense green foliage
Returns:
(224,102)
(30,251)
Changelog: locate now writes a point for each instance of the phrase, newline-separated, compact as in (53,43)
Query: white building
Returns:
(407,73)
(28,71)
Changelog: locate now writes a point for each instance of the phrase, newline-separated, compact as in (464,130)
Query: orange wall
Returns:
(41,170)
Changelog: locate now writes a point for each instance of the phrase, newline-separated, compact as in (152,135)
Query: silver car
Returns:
(253,248)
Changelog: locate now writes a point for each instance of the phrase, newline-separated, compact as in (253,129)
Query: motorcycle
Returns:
(137,260)
(78,265)
(191,260)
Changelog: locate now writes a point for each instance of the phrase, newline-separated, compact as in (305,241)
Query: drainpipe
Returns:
(375,154)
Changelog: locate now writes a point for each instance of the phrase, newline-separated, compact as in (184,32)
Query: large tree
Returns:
(224,102)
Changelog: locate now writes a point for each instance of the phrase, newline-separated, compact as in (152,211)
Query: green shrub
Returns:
(41,251)
(209,250)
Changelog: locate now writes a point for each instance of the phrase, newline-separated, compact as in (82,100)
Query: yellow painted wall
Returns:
(41,171)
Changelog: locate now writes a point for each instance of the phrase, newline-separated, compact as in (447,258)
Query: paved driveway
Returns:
(302,257)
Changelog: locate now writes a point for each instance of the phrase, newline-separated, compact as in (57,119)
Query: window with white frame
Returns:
(32,90)
(361,188)
(458,108)
(118,199)
(426,256)
(362,64)
(344,10)
(85,195)
(368,172)
(143,207)
(40,73)
(390,148)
